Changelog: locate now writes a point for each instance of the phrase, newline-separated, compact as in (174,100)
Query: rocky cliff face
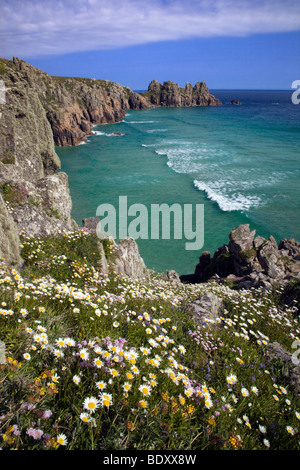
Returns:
(35,199)
(170,94)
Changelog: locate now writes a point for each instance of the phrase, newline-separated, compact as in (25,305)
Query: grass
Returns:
(94,362)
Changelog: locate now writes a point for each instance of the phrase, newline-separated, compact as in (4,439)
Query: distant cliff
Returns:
(170,94)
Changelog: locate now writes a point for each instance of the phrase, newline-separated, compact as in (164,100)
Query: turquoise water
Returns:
(240,162)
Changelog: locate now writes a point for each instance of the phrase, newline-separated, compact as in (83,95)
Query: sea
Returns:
(238,164)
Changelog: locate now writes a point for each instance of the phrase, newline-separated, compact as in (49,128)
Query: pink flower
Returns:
(47,414)
(35,433)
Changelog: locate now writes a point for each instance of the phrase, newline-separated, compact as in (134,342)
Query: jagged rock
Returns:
(291,363)
(258,242)
(9,237)
(235,102)
(269,258)
(126,260)
(90,223)
(253,261)
(241,239)
(291,247)
(206,310)
(173,277)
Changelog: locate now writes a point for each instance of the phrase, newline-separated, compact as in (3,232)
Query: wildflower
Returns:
(101,385)
(58,353)
(145,389)
(266,443)
(91,404)
(145,351)
(76,379)
(254,390)
(55,378)
(60,342)
(127,386)
(244,392)
(143,404)
(85,417)
(188,392)
(290,430)
(181,400)
(231,379)
(84,354)
(262,429)
(135,370)
(98,363)
(47,414)
(106,399)
(208,402)
(62,439)
(114,372)
(27,356)
(35,433)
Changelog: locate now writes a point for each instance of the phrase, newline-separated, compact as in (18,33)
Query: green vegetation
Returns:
(8,157)
(95,362)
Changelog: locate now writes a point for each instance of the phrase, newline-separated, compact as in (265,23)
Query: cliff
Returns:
(170,94)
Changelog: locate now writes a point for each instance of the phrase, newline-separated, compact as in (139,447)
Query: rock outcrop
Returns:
(124,257)
(170,94)
(249,261)
(207,310)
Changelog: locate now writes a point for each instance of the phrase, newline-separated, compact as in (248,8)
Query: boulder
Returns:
(206,310)
(90,223)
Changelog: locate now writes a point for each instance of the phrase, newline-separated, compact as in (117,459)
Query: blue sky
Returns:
(231,44)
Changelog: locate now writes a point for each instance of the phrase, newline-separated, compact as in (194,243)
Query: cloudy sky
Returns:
(228,43)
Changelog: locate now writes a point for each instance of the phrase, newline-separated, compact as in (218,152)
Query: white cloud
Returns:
(44,27)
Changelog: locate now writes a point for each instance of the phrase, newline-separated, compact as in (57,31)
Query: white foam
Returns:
(235,202)
(108,134)
(82,143)
(140,122)
(152,131)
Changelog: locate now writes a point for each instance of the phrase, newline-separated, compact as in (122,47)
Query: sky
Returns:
(231,44)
